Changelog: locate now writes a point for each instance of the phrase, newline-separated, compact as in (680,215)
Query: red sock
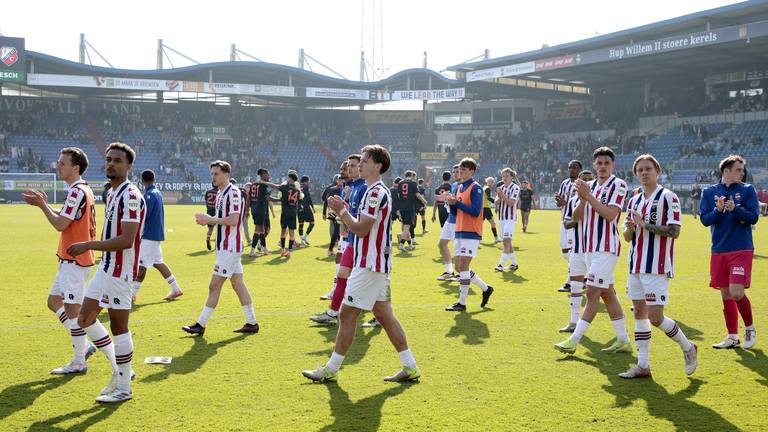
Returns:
(745,309)
(338,293)
(731,312)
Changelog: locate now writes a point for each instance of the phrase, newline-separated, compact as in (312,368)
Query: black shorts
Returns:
(260,216)
(487,213)
(210,211)
(422,211)
(408,216)
(442,215)
(307,216)
(288,221)
(525,207)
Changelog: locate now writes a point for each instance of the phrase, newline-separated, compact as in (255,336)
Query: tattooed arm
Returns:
(662,230)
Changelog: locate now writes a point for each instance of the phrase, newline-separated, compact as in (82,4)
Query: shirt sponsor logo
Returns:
(71,201)
(133,204)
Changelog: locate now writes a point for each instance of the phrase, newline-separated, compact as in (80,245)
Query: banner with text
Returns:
(455,93)
(334,93)
(89,81)
(12,60)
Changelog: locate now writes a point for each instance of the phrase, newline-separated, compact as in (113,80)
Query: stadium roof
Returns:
(740,53)
(264,73)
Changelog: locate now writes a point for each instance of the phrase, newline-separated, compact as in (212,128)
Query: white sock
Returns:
(449,267)
(205,315)
(620,327)
(670,327)
(749,327)
(172,282)
(503,259)
(334,363)
(581,328)
(512,258)
(575,301)
(406,358)
(250,315)
(567,256)
(464,279)
(79,341)
(332,313)
(99,336)
(643,341)
(123,357)
(475,279)
(62,316)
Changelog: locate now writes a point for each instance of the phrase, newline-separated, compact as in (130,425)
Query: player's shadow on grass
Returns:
(94,415)
(193,359)
(690,332)
(143,305)
(18,397)
(359,346)
(199,253)
(326,258)
(513,277)
(756,360)
(363,415)
(473,331)
(676,408)
(277,260)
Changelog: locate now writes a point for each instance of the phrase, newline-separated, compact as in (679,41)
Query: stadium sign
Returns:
(12,60)
(631,50)
(89,81)
(245,89)
(455,93)
(334,93)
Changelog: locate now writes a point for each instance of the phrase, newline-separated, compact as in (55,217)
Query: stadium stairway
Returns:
(93,132)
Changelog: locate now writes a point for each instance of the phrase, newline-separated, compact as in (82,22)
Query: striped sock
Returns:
(172,282)
(464,278)
(101,339)
(62,316)
(78,341)
(475,279)
(123,357)
(575,301)
(673,331)
(643,341)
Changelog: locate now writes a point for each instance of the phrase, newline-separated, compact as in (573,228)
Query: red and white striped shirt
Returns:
(567,188)
(125,204)
(508,212)
(374,251)
(601,235)
(229,201)
(578,230)
(651,253)
(75,203)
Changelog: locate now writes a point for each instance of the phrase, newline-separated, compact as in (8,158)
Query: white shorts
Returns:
(69,282)
(600,266)
(577,264)
(150,254)
(227,264)
(566,237)
(465,247)
(653,288)
(448,231)
(111,292)
(507,228)
(366,287)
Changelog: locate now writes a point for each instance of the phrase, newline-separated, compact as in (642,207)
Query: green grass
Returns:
(482,370)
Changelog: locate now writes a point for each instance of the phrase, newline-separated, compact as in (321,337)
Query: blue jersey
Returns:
(357,189)
(731,230)
(154,224)
(452,209)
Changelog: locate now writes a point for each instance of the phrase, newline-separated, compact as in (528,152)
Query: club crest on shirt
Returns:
(737,197)
(133,204)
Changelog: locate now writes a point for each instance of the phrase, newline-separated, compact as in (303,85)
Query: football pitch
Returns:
(492,369)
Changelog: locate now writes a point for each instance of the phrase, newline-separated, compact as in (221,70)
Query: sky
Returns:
(450,31)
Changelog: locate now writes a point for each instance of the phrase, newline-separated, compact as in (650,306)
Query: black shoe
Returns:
(248,328)
(565,288)
(457,307)
(208,243)
(195,329)
(513,267)
(486,296)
